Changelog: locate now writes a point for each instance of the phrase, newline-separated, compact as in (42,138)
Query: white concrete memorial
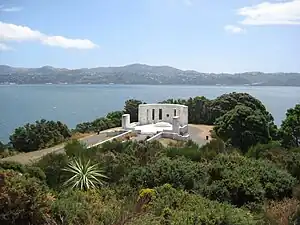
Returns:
(156,118)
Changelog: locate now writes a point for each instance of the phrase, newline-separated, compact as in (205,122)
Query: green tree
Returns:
(2,146)
(40,135)
(243,127)
(131,107)
(84,175)
(84,127)
(101,123)
(115,117)
(290,127)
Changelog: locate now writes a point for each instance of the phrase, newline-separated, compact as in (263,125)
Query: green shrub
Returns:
(23,200)
(30,170)
(75,148)
(288,159)
(5,165)
(179,172)
(52,165)
(36,172)
(189,153)
(92,207)
(178,207)
(239,180)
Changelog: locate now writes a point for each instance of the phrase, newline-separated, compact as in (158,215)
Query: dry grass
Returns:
(127,137)
(78,135)
(170,142)
(280,212)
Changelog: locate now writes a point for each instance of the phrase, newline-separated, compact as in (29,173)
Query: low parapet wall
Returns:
(175,136)
(170,135)
(110,139)
(114,133)
(183,130)
(156,137)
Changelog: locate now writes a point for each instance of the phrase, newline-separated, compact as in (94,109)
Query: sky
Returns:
(203,35)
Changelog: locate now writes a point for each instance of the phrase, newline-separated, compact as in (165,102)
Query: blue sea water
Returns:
(73,104)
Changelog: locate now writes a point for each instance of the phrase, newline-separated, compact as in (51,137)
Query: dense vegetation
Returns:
(249,174)
(40,135)
(111,120)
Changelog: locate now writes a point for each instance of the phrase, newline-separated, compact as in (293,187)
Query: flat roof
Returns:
(162,104)
(154,128)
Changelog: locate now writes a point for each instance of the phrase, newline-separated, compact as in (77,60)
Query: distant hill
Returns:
(141,74)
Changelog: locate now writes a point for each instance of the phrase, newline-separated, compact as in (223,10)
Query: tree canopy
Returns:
(131,107)
(243,127)
(290,127)
(2,146)
(40,135)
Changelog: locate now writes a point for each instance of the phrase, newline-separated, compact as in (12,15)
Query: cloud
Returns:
(234,29)
(276,13)
(12,32)
(68,43)
(4,47)
(11,9)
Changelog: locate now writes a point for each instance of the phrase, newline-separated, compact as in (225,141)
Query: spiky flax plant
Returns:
(84,175)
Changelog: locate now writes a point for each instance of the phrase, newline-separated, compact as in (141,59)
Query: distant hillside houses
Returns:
(141,74)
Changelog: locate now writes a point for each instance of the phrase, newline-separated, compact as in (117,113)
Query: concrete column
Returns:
(176,124)
(125,121)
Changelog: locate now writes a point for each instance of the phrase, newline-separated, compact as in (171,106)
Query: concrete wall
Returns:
(146,113)
(169,135)
(125,121)
(175,136)
(184,129)
(156,137)
(114,133)
(110,139)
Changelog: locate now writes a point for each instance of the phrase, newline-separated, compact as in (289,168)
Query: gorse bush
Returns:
(204,153)
(288,159)
(239,180)
(24,200)
(178,172)
(32,171)
(178,207)
(91,207)
(282,212)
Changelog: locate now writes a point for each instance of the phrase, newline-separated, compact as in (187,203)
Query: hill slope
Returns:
(140,74)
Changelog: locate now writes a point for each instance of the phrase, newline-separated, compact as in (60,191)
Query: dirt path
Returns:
(88,139)
(198,133)
(204,130)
